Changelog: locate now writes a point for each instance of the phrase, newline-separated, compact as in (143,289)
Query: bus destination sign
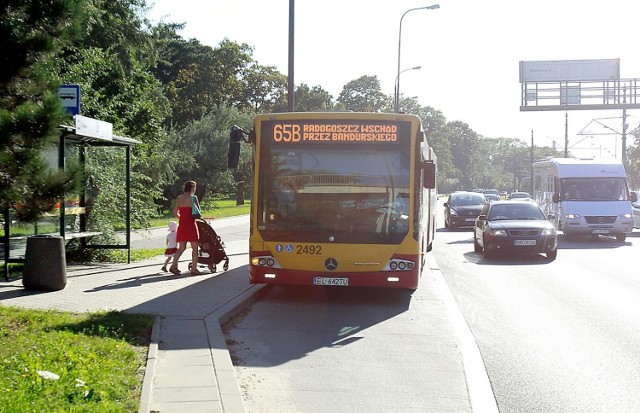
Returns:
(335,131)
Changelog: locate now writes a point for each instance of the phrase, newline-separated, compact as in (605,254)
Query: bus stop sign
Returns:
(69,96)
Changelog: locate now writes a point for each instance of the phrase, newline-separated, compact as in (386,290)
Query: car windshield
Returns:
(467,199)
(520,211)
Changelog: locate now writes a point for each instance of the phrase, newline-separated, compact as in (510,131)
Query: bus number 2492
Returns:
(309,249)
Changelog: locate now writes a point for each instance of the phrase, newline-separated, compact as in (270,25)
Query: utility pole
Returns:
(515,158)
(532,187)
(290,83)
(566,134)
(624,137)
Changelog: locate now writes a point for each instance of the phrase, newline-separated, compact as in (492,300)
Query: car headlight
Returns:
(453,212)
(548,232)
(498,233)
(572,216)
(626,216)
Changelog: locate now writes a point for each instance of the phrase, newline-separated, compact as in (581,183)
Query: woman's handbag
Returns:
(195,212)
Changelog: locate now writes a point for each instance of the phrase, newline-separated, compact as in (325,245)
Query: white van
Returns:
(585,196)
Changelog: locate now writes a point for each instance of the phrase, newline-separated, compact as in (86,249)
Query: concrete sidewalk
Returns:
(189,368)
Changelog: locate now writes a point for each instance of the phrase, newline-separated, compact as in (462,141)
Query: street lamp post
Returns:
(397,97)
(397,94)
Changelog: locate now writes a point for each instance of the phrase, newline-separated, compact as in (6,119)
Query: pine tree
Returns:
(31,33)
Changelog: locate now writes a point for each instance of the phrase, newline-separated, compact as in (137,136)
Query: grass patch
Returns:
(97,360)
(219,208)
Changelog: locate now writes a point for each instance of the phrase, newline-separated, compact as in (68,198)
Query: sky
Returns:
(468,50)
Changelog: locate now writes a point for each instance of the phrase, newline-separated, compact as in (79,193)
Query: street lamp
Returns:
(397,97)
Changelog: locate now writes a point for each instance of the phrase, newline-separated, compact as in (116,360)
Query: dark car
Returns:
(462,208)
(514,227)
(491,197)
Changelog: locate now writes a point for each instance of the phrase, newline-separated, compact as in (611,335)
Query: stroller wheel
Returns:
(226,265)
(212,268)
(190,266)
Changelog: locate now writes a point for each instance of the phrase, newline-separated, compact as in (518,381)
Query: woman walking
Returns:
(187,227)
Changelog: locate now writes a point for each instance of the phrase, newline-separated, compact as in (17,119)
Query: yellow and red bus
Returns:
(341,198)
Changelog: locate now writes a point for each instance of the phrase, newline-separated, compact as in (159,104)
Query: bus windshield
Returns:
(594,189)
(315,194)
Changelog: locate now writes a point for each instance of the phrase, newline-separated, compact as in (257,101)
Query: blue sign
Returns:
(69,96)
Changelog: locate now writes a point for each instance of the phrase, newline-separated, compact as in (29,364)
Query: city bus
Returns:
(341,199)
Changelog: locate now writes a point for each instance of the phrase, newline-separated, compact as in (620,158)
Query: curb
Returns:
(229,390)
(149,372)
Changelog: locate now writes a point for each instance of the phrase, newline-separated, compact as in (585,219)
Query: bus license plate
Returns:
(600,231)
(330,281)
(520,242)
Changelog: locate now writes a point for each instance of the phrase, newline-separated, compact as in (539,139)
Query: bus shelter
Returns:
(69,219)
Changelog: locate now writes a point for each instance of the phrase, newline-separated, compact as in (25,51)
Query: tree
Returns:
(633,159)
(30,114)
(112,64)
(198,78)
(363,95)
(310,99)
(265,88)
(464,149)
(204,145)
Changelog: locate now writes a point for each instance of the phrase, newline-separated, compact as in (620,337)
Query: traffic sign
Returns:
(69,96)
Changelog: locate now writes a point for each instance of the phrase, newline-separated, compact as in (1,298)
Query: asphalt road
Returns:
(558,336)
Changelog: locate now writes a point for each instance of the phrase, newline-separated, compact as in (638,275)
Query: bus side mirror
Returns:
(633,196)
(429,174)
(556,198)
(233,156)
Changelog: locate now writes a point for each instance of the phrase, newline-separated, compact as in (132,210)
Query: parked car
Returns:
(510,227)
(462,208)
(520,196)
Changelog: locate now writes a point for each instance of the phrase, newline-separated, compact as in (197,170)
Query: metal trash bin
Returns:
(45,265)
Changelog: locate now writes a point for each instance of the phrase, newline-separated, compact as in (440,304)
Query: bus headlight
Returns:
(572,216)
(265,261)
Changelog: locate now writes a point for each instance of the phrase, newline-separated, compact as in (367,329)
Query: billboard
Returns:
(569,70)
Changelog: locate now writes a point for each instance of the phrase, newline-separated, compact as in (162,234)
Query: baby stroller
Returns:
(210,247)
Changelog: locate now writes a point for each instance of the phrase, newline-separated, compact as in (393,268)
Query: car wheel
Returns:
(621,237)
(552,254)
(476,245)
